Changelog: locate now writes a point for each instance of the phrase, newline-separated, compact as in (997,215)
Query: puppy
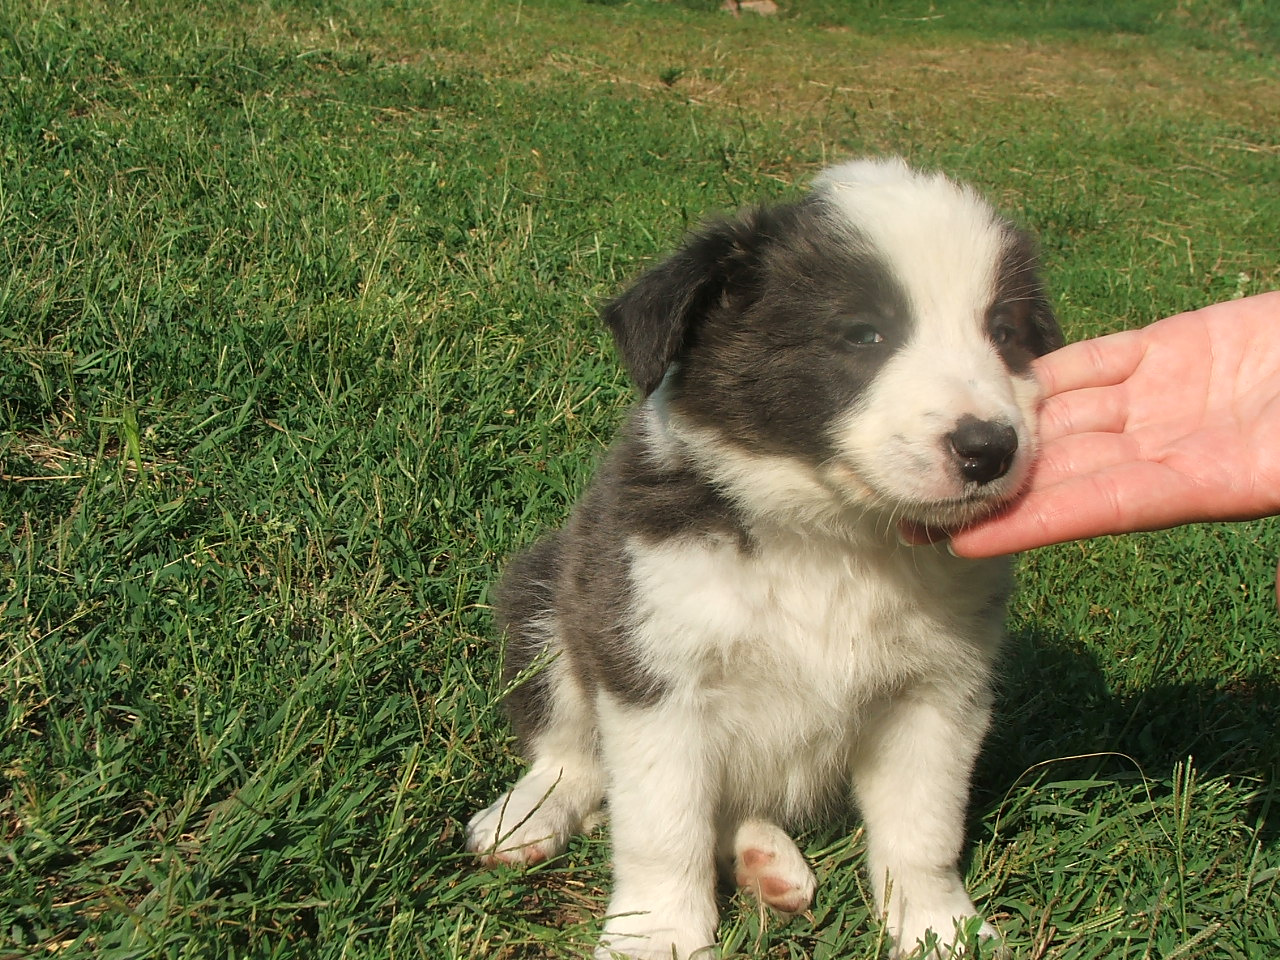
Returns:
(728,637)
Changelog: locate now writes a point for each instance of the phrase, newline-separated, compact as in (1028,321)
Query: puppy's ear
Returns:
(1045,325)
(1020,277)
(653,320)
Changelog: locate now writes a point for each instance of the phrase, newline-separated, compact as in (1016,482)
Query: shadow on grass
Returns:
(1056,706)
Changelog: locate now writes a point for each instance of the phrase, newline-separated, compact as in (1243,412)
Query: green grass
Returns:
(297,342)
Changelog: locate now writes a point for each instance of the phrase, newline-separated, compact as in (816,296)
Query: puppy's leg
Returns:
(662,797)
(767,863)
(911,775)
(565,784)
(551,713)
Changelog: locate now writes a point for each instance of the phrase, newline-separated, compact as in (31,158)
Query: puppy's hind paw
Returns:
(767,863)
(504,832)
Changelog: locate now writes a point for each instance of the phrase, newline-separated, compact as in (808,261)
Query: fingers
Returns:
(1084,410)
(1092,478)
(1123,498)
(1083,385)
(1070,510)
(1101,362)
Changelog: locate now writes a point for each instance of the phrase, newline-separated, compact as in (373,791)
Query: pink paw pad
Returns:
(760,872)
(529,856)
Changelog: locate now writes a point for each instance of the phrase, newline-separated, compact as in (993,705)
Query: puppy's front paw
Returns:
(949,937)
(656,945)
(671,931)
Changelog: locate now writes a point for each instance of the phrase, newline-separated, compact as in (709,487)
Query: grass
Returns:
(297,341)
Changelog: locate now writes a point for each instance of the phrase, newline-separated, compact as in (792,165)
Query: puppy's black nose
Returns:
(983,449)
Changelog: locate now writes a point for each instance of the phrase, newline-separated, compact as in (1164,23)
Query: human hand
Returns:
(1178,422)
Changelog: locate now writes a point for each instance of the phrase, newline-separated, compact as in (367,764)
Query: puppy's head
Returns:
(867,347)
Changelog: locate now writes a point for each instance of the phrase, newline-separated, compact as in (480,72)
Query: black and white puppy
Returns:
(729,637)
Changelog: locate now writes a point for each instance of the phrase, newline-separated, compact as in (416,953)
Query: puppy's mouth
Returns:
(922,519)
(916,534)
(944,515)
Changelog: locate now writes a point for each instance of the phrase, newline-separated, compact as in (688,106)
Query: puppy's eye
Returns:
(1003,334)
(863,335)
(1000,326)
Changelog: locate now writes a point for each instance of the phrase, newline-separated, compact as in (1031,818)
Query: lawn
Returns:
(298,340)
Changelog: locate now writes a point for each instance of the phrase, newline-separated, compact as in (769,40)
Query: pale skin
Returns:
(1174,423)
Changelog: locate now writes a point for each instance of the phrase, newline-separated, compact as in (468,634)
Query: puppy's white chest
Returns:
(834,626)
